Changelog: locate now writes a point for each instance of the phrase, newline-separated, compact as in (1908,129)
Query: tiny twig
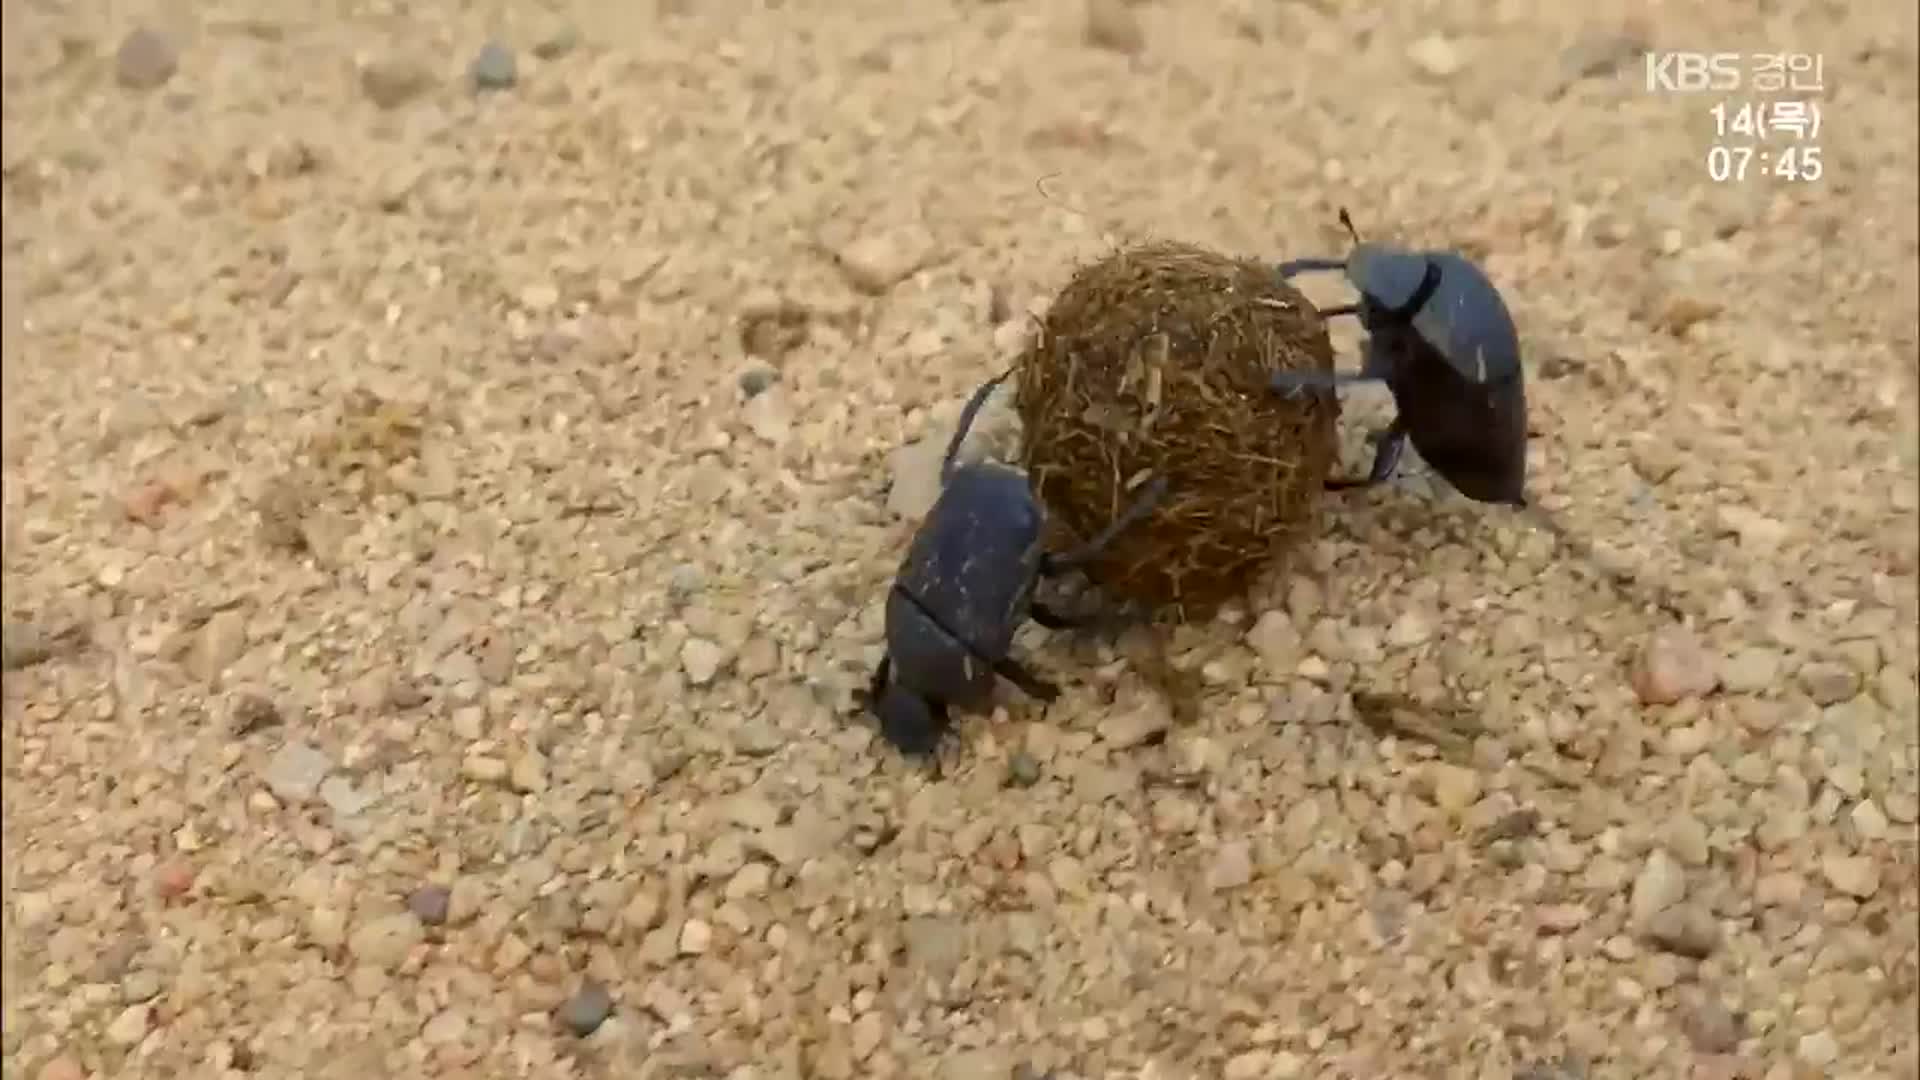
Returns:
(1451,731)
(589,509)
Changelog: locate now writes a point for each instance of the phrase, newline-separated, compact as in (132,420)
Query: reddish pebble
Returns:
(173,879)
(145,502)
(62,1068)
(1673,667)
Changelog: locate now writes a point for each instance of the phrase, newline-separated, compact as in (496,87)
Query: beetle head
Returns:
(1393,282)
(907,721)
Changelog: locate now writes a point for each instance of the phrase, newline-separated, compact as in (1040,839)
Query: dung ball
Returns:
(1155,361)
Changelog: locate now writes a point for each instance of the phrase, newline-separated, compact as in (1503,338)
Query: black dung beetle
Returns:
(1440,337)
(965,586)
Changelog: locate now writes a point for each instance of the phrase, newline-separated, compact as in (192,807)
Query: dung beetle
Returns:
(963,589)
(1440,337)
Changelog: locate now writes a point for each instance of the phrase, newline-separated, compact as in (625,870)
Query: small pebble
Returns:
(701,660)
(24,644)
(493,68)
(696,937)
(1023,769)
(295,771)
(146,60)
(61,1068)
(1686,838)
(384,942)
(220,642)
(1276,641)
(430,904)
(557,44)
(768,415)
(1596,54)
(446,1028)
(1868,821)
(1711,1027)
(750,882)
(342,797)
(1819,1049)
(131,1025)
(1685,930)
(1755,530)
(392,81)
(1145,722)
(483,769)
(1752,670)
(1561,918)
(1252,1065)
(1857,876)
(1779,889)
(528,774)
(173,879)
(1674,666)
(1828,683)
(588,1008)
(756,379)
(1232,866)
(251,713)
(1660,885)
(1455,788)
(1112,25)
(1410,628)
(758,738)
(140,987)
(876,262)
(1435,56)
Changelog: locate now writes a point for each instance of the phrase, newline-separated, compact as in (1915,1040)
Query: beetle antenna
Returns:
(965,423)
(1346,221)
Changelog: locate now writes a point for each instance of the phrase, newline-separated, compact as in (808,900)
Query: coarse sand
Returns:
(448,459)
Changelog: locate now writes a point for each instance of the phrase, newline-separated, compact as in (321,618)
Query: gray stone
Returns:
(494,68)
(384,942)
(431,904)
(1685,930)
(584,1012)
(295,772)
(146,60)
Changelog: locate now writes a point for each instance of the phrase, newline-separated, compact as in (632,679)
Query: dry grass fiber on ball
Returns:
(1154,360)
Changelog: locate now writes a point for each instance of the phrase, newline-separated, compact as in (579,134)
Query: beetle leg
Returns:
(965,423)
(1103,619)
(1289,384)
(878,684)
(1056,619)
(1051,619)
(1388,445)
(1301,266)
(1378,361)
(1030,684)
(1150,495)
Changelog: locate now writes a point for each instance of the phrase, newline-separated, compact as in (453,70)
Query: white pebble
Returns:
(1855,875)
(701,660)
(696,937)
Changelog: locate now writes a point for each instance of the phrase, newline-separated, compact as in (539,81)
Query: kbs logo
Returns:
(1692,72)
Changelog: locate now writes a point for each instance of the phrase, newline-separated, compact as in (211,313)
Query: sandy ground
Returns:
(444,531)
